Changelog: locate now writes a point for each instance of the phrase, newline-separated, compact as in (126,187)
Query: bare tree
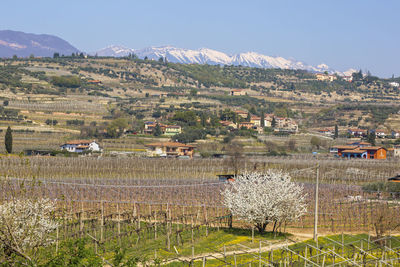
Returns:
(236,157)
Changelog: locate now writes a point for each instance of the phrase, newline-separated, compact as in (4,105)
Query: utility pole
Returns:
(316,207)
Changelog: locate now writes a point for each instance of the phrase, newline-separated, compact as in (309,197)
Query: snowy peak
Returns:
(114,51)
(212,57)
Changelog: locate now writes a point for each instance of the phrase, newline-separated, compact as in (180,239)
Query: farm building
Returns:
(165,149)
(79,146)
(359,151)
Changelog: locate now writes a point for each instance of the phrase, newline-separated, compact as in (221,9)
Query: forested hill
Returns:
(136,73)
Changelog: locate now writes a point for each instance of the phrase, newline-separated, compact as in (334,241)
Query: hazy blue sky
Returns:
(341,33)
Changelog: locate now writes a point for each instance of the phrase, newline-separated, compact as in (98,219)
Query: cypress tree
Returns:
(273,123)
(157,130)
(336,132)
(262,122)
(8,140)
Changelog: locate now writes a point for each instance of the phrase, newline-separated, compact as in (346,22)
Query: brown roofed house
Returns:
(172,149)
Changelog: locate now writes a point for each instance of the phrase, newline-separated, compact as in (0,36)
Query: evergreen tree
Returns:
(8,140)
(248,117)
(273,122)
(262,119)
(336,132)
(371,137)
(157,130)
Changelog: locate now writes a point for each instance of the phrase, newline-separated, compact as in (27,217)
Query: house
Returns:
(149,126)
(394,84)
(169,149)
(357,132)
(395,134)
(286,125)
(359,144)
(79,146)
(325,77)
(241,113)
(347,78)
(237,92)
(396,151)
(245,124)
(165,129)
(255,120)
(380,133)
(172,129)
(360,151)
(327,131)
(228,124)
(268,119)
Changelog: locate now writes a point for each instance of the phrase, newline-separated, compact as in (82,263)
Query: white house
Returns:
(394,84)
(79,146)
(396,151)
(380,133)
(395,134)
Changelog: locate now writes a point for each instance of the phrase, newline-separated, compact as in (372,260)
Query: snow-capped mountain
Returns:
(114,51)
(212,57)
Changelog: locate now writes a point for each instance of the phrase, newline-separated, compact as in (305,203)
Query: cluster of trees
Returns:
(51,122)
(68,81)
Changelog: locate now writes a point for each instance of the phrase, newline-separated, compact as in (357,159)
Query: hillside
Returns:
(96,97)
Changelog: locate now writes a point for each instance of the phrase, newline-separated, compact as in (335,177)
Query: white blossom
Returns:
(25,225)
(261,198)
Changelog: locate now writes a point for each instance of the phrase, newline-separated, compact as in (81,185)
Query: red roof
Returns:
(372,147)
(79,142)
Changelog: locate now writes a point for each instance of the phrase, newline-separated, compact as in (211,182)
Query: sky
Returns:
(359,34)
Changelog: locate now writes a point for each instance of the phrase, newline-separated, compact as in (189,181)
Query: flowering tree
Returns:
(263,198)
(25,226)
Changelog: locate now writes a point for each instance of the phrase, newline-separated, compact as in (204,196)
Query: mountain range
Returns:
(210,56)
(44,45)
(24,44)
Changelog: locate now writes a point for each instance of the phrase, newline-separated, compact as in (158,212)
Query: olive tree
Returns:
(262,198)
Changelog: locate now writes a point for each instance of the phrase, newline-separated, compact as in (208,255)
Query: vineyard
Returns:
(172,211)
